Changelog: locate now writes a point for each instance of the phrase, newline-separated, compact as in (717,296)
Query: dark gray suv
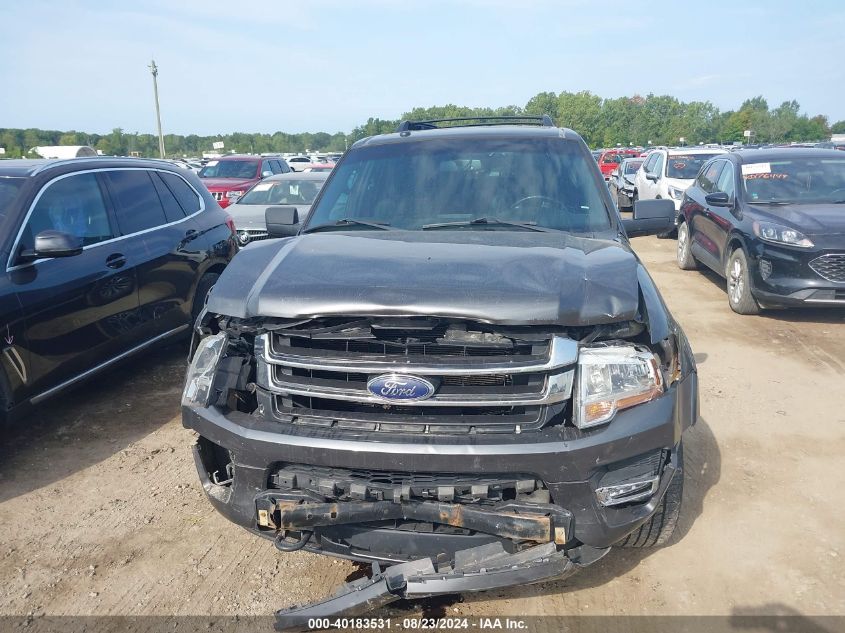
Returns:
(457,368)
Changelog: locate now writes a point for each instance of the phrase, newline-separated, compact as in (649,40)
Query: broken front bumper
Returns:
(477,569)
(572,468)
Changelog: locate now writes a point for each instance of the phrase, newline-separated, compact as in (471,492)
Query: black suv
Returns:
(772,223)
(102,257)
(458,367)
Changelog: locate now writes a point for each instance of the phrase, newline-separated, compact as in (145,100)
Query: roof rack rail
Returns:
(431,124)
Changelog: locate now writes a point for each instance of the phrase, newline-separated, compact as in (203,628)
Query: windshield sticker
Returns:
(756,168)
(263,186)
(212,163)
(679,165)
(765,176)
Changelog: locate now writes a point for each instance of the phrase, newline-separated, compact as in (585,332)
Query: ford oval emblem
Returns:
(400,387)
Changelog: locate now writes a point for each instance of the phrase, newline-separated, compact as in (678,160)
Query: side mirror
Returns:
(652,177)
(282,221)
(54,244)
(651,217)
(265,174)
(718,199)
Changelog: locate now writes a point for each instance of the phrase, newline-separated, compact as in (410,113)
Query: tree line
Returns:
(637,120)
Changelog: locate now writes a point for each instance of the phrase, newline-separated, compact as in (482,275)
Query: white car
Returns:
(298,163)
(666,173)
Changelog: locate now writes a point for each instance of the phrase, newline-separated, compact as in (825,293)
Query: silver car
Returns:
(294,189)
(621,182)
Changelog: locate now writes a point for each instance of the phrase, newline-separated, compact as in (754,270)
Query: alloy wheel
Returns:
(736,281)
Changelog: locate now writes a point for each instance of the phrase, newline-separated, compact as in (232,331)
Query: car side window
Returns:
(285,168)
(658,165)
(172,208)
(74,204)
(710,176)
(187,197)
(136,202)
(265,167)
(649,164)
(726,182)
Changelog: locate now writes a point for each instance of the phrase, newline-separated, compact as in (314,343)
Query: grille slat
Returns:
(831,267)
(484,382)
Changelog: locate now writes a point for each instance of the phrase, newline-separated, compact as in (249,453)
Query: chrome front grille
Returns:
(245,236)
(489,384)
(831,267)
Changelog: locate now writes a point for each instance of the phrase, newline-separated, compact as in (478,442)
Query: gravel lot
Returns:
(101,511)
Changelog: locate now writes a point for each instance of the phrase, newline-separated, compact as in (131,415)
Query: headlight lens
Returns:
(676,193)
(612,378)
(777,234)
(200,376)
(234,194)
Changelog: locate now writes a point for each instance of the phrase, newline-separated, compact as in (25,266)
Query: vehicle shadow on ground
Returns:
(780,618)
(703,465)
(791,315)
(84,426)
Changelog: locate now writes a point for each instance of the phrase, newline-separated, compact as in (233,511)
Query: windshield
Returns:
(548,182)
(686,166)
(229,169)
(297,192)
(632,166)
(798,181)
(9,188)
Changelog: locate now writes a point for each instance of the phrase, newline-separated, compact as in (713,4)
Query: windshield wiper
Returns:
(384,226)
(778,202)
(530,226)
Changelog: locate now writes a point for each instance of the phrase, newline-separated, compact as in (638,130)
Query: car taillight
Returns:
(230,222)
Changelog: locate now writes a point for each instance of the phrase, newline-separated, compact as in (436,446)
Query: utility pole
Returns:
(154,71)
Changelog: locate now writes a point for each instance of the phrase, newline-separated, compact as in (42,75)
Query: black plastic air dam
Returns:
(476,569)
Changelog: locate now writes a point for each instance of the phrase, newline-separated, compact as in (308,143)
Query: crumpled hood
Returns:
(490,276)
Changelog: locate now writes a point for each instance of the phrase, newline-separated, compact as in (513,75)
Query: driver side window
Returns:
(72,205)
(726,182)
(657,168)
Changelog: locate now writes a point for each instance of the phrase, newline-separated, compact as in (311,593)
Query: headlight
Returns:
(676,193)
(234,194)
(200,376)
(612,378)
(778,234)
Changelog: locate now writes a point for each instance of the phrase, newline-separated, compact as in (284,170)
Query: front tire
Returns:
(661,525)
(685,259)
(739,284)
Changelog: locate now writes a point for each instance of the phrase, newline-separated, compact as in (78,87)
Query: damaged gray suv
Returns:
(456,369)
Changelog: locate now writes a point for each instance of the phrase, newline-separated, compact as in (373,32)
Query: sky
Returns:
(328,65)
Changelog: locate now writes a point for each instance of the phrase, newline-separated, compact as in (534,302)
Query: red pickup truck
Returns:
(229,177)
(609,160)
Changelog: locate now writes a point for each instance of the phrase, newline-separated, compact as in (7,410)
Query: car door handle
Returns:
(116,260)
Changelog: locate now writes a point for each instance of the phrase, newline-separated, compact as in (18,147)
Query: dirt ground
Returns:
(101,511)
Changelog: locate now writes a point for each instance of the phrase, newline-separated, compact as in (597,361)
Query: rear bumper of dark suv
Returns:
(250,464)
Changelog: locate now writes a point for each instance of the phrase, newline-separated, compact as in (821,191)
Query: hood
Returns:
(491,276)
(810,219)
(253,215)
(228,184)
(679,183)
